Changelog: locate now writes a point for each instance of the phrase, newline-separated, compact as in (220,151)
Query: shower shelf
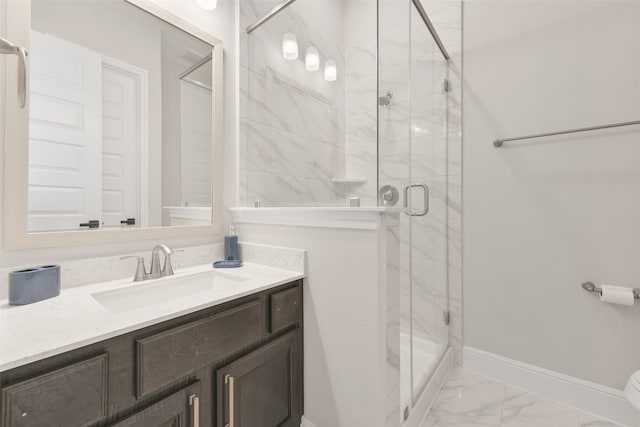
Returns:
(349,180)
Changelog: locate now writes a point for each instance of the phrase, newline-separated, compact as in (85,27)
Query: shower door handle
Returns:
(425,190)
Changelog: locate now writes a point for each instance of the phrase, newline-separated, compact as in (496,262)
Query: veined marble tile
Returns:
(396,79)
(467,400)
(454,153)
(361,95)
(325,193)
(309,22)
(361,129)
(522,409)
(361,162)
(276,103)
(429,156)
(243,83)
(243,189)
(462,394)
(394,122)
(429,114)
(361,62)
(394,35)
(277,190)
(275,151)
(588,420)
(324,161)
(446,16)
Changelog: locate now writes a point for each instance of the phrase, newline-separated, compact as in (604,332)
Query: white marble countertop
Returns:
(75,318)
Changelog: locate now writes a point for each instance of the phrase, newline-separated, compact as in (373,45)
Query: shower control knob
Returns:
(388,195)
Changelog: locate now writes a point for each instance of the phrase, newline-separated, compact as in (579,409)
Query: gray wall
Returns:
(541,217)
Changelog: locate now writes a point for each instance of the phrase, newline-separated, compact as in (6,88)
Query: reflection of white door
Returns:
(85,127)
(64,134)
(120,143)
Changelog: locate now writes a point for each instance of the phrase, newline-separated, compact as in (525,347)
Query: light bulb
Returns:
(207,4)
(312,59)
(290,46)
(330,70)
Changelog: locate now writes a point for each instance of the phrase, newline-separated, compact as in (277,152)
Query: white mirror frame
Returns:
(16,234)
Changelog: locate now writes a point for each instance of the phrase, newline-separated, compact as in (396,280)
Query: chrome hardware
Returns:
(432,29)
(446,86)
(258,22)
(194,402)
(425,189)
(257,204)
(388,195)
(591,287)
(141,271)
(8,48)
(167,269)
(385,100)
(498,142)
(156,272)
(228,379)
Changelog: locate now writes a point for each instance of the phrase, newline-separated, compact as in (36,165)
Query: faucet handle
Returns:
(167,268)
(141,271)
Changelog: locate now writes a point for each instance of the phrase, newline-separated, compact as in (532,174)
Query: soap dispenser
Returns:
(231,245)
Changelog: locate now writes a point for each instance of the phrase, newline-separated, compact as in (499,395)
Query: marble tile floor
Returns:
(468,399)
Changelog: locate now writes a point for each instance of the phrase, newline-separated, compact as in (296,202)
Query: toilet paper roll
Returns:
(617,295)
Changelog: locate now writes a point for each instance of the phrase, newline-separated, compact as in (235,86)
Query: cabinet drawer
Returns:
(75,395)
(286,308)
(168,356)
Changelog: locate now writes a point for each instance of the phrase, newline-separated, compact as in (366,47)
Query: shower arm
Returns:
(8,48)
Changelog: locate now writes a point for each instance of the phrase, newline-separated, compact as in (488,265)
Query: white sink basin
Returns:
(163,290)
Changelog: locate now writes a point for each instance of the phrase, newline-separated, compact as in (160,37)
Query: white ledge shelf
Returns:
(349,180)
(361,218)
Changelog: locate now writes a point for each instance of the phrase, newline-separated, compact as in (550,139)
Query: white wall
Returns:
(543,216)
(344,343)
(220,23)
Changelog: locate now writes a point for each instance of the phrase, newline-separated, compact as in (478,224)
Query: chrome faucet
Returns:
(156,272)
(167,269)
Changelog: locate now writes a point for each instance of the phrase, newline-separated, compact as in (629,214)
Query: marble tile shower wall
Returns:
(292,121)
(361,120)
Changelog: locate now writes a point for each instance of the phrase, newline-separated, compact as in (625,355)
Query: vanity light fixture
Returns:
(330,70)
(207,4)
(312,59)
(290,46)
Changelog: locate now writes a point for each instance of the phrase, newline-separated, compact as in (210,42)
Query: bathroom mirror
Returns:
(123,125)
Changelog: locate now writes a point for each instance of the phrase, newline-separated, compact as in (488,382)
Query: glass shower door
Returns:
(428,140)
(412,158)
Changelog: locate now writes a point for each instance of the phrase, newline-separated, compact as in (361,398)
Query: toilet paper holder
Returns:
(591,287)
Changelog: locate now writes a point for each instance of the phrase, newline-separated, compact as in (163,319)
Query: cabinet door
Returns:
(180,409)
(75,395)
(263,388)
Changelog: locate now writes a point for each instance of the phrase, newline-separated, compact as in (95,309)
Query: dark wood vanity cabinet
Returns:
(262,388)
(237,364)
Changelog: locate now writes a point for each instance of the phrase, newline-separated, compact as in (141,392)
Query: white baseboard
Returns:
(605,402)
